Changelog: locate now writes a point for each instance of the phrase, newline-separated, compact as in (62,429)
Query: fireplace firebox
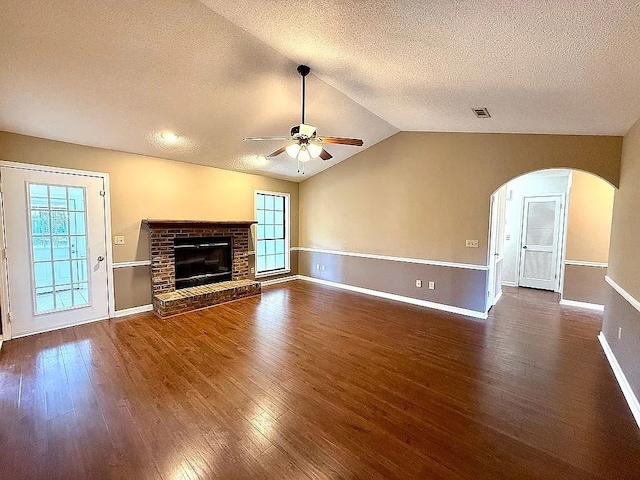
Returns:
(202,260)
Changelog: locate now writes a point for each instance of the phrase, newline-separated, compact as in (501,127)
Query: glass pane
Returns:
(60,248)
(62,272)
(269,231)
(58,198)
(279,261)
(64,298)
(271,247)
(60,223)
(40,223)
(259,200)
(260,232)
(41,248)
(279,218)
(261,264)
(44,300)
(279,203)
(79,247)
(279,246)
(268,202)
(261,247)
(260,216)
(77,223)
(79,271)
(38,196)
(43,275)
(76,199)
(279,231)
(81,295)
(268,217)
(271,262)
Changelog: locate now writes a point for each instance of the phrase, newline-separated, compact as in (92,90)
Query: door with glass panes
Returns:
(56,249)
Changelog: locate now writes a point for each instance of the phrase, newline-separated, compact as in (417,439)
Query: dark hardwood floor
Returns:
(312,382)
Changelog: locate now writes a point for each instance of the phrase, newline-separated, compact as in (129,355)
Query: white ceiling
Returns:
(113,74)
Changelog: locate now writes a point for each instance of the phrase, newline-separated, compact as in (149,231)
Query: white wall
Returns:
(545,182)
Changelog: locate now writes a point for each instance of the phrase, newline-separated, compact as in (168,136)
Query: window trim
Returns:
(287,234)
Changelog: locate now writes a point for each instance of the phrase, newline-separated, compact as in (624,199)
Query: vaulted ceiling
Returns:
(114,74)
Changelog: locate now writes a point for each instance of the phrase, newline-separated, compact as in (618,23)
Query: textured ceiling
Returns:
(113,74)
(547,66)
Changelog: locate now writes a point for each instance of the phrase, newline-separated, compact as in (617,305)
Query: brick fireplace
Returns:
(163,235)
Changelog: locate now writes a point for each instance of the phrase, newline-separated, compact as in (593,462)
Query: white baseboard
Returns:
(400,298)
(266,283)
(509,284)
(632,400)
(590,306)
(132,311)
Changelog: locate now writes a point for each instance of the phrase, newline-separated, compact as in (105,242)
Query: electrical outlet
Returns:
(253,270)
(323,268)
(118,239)
(419,283)
(619,333)
(472,243)
(432,285)
(317,266)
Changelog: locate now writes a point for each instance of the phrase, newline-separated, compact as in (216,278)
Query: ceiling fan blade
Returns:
(285,139)
(277,152)
(356,142)
(325,155)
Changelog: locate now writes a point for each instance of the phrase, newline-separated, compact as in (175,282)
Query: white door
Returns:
(540,242)
(56,249)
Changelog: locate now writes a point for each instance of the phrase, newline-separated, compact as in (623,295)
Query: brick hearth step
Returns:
(193,298)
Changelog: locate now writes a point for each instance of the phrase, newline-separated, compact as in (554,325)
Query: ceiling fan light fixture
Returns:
(292,150)
(304,156)
(314,150)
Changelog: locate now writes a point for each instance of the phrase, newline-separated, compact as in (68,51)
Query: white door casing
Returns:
(496,246)
(540,241)
(76,284)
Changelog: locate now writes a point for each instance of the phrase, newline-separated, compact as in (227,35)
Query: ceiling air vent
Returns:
(481,112)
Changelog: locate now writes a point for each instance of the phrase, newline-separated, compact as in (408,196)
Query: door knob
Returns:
(525,247)
(100,258)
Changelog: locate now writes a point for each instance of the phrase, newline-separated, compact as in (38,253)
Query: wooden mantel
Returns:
(155,223)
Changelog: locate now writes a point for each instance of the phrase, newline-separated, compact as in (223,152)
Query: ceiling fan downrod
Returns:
(303,70)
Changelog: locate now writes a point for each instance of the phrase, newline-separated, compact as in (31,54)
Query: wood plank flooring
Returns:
(313,382)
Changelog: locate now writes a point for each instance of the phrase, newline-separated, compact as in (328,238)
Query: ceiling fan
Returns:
(304,143)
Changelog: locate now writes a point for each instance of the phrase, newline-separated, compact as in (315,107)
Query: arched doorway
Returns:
(550,230)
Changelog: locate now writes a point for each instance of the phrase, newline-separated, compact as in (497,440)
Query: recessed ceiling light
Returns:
(169,137)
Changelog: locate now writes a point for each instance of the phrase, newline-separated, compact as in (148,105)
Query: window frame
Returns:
(287,233)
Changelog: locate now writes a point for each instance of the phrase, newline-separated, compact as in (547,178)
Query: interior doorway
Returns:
(57,248)
(553,234)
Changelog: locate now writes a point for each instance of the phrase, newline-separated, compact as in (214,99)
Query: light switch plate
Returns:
(118,239)
(419,283)
(471,243)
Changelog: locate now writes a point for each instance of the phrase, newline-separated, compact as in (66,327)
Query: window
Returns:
(272,232)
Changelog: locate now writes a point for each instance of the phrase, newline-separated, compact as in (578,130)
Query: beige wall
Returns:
(148,187)
(421,195)
(624,256)
(624,264)
(590,212)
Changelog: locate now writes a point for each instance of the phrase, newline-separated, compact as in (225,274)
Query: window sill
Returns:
(272,273)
